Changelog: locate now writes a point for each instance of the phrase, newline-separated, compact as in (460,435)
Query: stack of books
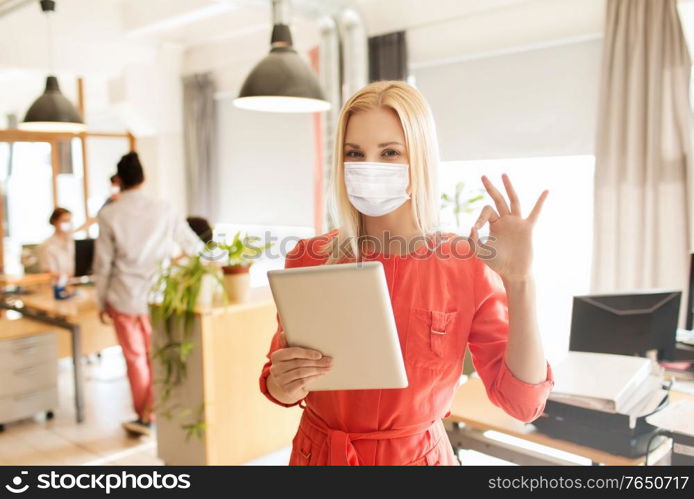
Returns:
(609,383)
(602,400)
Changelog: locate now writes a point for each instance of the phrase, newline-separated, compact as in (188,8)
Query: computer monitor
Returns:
(690,295)
(627,324)
(84,256)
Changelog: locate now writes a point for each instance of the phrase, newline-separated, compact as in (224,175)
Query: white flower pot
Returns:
(237,285)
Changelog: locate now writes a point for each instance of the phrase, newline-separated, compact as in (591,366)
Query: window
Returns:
(26,176)
(563,235)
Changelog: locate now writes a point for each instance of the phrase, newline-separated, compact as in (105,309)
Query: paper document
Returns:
(606,382)
(685,336)
(677,417)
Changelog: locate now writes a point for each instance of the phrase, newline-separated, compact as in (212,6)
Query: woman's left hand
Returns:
(510,241)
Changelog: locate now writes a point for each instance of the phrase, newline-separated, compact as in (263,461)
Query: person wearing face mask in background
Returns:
(57,253)
(113,195)
(448,292)
(114,190)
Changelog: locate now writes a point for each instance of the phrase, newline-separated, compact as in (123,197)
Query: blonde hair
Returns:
(422,148)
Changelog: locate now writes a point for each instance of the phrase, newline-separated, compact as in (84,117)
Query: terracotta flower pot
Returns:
(237,283)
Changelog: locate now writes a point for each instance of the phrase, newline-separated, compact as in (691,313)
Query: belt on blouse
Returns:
(341,450)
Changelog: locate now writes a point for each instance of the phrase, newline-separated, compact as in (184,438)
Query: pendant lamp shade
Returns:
(52,112)
(282,81)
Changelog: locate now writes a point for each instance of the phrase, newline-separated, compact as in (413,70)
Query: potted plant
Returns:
(460,201)
(240,255)
(175,296)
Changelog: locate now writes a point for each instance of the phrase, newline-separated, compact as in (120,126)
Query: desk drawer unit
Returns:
(28,376)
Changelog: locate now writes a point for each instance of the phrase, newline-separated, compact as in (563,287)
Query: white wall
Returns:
(540,102)
(501,26)
(266,162)
(151,106)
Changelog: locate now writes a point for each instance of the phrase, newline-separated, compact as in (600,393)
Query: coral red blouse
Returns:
(444,299)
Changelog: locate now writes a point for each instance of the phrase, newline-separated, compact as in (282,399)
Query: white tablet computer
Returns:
(343,311)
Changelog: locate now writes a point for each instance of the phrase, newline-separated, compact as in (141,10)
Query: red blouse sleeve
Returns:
(487,343)
(293,259)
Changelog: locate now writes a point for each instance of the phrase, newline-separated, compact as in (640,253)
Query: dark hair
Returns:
(57,213)
(114,178)
(201,227)
(130,171)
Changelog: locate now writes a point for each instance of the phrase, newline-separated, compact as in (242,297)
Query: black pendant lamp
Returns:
(52,111)
(282,81)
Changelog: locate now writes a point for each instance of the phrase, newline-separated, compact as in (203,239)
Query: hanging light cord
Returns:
(51,48)
(48,8)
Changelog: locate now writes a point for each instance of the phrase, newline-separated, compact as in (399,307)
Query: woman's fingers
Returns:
(474,238)
(282,367)
(487,215)
(295,353)
(300,384)
(512,196)
(302,372)
(532,218)
(283,340)
(498,198)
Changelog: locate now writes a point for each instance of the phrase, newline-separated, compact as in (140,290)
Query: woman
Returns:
(447,293)
(57,253)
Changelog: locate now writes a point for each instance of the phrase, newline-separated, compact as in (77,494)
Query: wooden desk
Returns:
(472,407)
(25,280)
(78,316)
(81,310)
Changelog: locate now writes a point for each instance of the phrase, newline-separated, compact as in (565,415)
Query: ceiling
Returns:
(104,35)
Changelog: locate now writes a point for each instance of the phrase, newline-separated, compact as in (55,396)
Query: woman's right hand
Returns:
(291,368)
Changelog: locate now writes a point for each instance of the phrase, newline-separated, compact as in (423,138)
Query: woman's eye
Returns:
(391,153)
(354,154)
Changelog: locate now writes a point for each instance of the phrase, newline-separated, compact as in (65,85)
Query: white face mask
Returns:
(65,227)
(376,189)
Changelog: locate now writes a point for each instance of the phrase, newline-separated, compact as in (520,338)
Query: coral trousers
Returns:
(134,333)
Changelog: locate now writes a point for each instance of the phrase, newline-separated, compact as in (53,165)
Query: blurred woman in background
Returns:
(57,253)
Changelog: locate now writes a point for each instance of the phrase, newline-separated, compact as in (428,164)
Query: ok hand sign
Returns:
(510,234)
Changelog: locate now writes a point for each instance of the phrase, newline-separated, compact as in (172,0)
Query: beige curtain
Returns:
(642,150)
(199,138)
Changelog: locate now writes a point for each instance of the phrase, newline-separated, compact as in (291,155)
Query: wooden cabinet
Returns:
(28,370)
(222,376)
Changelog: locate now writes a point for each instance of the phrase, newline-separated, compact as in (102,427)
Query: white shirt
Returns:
(57,255)
(136,234)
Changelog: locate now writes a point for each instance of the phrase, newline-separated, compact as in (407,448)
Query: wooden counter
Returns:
(223,368)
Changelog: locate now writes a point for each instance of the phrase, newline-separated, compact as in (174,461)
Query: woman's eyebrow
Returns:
(384,144)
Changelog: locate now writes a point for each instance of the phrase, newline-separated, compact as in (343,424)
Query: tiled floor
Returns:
(100,440)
